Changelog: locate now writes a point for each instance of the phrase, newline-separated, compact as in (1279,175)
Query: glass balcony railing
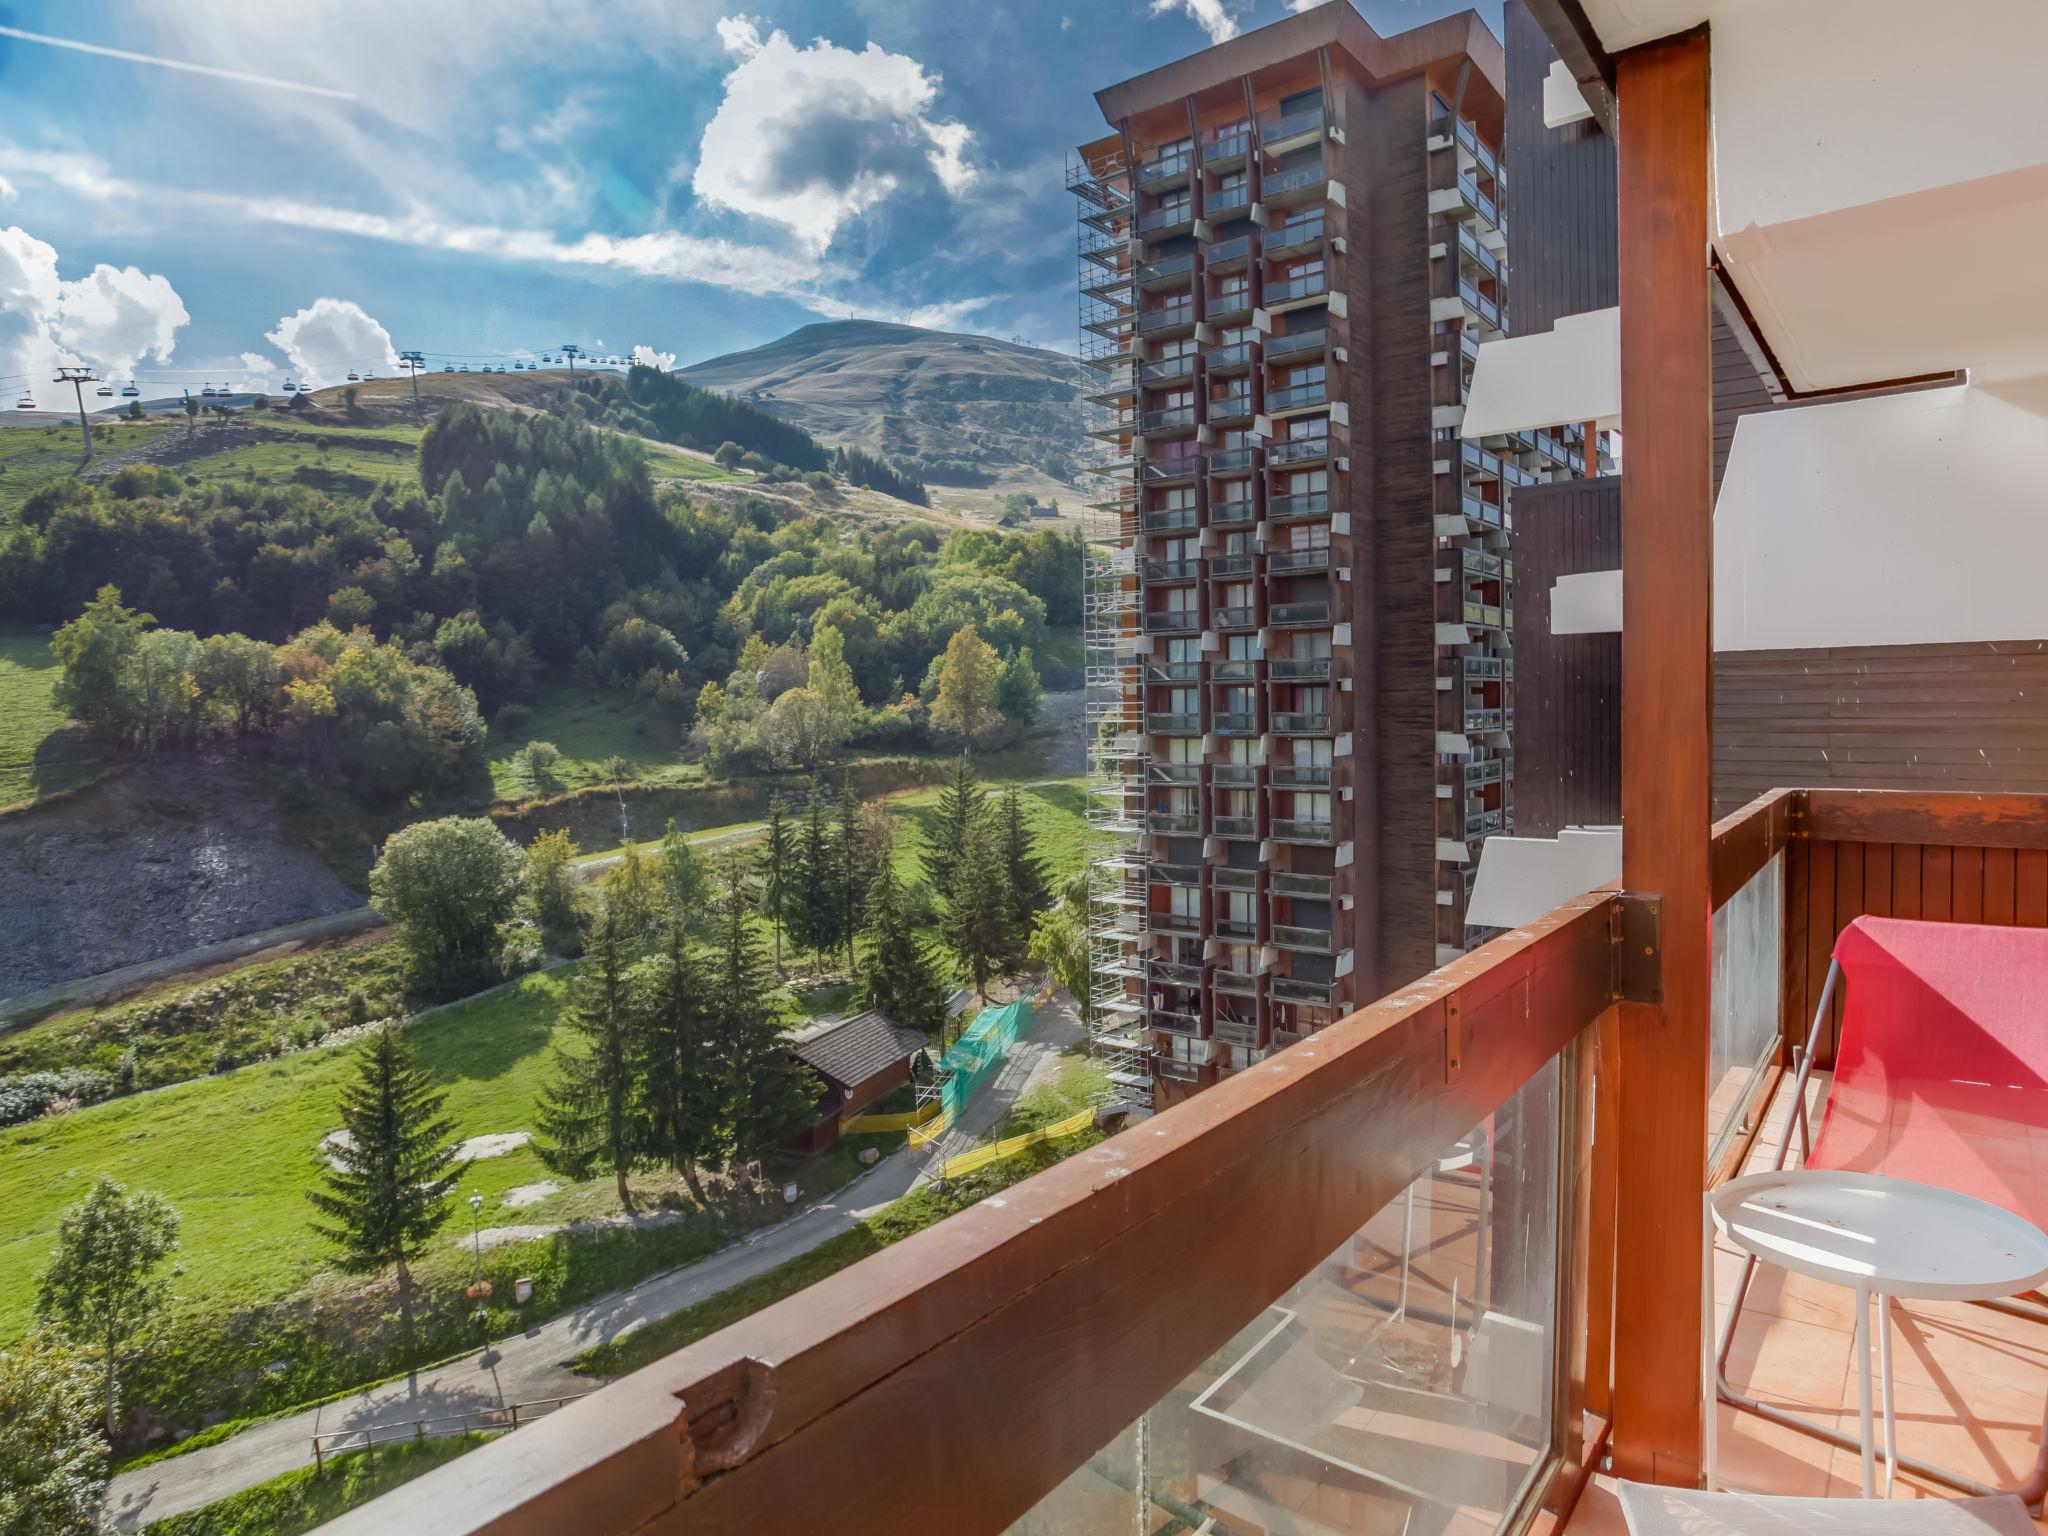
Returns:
(1173,822)
(1297,344)
(1298,669)
(1285,614)
(1173,621)
(1288,989)
(1288,183)
(1173,1022)
(1236,775)
(1165,319)
(1227,148)
(1179,418)
(1297,722)
(1235,826)
(1290,830)
(1168,519)
(1298,776)
(1167,571)
(1243,929)
(1295,239)
(1226,410)
(1298,560)
(1231,359)
(1174,724)
(1314,940)
(1299,397)
(1286,883)
(1167,369)
(1237,723)
(1166,269)
(1231,514)
(1233,461)
(1175,874)
(1227,255)
(1165,168)
(1163,471)
(1297,450)
(1223,567)
(1235,617)
(1278,131)
(1175,773)
(1308,285)
(1226,200)
(1173,216)
(1480,304)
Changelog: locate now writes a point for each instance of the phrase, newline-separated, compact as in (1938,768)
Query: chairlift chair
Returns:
(25,403)
(129,391)
(209,390)
(106,391)
(353,375)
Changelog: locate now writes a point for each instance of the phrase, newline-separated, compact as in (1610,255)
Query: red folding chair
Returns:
(1941,1076)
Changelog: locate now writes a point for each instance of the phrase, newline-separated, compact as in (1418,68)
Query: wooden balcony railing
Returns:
(952,1381)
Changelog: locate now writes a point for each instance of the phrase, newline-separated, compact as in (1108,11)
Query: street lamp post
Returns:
(476,1239)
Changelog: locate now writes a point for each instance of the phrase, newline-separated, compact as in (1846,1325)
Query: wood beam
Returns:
(1666,710)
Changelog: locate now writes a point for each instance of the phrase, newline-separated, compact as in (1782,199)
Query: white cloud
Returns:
(647,357)
(7,192)
(260,376)
(811,137)
(107,320)
(329,337)
(1298,6)
(664,254)
(1210,15)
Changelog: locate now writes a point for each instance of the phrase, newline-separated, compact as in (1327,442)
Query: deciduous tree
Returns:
(102,1291)
(448,884)
(966,706)
(1059,942)
(551,893)
(53,1463)
(385,1190)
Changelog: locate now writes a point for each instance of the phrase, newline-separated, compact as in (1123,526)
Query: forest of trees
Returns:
(650,403)
(857,468)
(534,550)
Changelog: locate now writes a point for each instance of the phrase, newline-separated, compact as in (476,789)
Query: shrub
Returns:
(30,1094)
(512,718)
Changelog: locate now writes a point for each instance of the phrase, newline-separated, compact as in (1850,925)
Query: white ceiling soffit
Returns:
(1880,178)
(1887,520)
(1586,603)
(1569,374)
(1563,101)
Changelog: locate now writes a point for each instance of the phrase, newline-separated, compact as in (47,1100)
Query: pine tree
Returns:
(680,882)
(961,802)
(1023,871)
(631,898)
(682,1098)
(777,863)
(853,871)
(898,975)
(768,1092)
(388,1179)
(590,1113)
(814,923)
(976,923)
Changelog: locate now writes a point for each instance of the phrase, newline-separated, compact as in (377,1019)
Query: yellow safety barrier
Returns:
(902,1122)
(981,1157)
(925,1135)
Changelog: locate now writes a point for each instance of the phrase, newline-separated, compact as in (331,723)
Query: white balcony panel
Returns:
(1521,878)
(1562,101)
(1588,603)
(1569,374)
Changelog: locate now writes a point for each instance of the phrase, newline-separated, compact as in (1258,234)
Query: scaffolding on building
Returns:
(1110,632)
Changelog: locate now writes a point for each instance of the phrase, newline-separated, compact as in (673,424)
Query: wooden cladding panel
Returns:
(1560,198)
(1738,392)
(1567,687)
(1963,716)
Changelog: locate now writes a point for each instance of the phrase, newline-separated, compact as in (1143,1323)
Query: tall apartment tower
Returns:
(1301,605)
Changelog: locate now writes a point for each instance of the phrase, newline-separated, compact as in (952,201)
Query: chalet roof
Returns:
(855,1049)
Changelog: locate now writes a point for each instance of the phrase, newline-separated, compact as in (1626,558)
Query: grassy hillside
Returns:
(961,411)
(237,1153)
(41,752)
(31,457)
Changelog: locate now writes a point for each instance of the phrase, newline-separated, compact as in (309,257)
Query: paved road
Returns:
(536,1364)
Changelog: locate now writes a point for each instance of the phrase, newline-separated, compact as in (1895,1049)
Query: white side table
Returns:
(1877,1236)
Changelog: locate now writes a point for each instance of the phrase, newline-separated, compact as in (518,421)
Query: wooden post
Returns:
(1666,669)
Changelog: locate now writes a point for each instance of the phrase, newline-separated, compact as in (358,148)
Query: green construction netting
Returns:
(974,1057)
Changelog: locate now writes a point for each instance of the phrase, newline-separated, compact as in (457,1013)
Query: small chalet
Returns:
(861,1059)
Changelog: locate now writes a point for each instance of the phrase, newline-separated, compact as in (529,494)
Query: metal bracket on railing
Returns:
(1636,925)
(1454,1039)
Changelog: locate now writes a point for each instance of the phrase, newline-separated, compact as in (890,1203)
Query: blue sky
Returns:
(491,178)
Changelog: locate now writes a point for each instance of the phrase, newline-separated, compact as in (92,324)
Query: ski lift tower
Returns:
(1112,633)
(570,353)
(78,378)
(412,363)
